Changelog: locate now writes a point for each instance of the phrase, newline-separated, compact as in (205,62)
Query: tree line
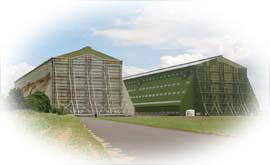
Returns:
(37,101)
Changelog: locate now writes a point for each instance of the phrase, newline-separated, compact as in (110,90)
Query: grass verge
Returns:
(64,130)
(219,125)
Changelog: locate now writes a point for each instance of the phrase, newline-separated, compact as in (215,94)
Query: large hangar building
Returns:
(212,86)
(82,82)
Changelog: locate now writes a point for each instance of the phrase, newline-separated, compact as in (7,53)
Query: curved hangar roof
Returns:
(197,62)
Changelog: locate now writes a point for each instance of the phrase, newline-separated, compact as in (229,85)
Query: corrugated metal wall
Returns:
(37,80)
(223,89)
(214,87)
(87,84)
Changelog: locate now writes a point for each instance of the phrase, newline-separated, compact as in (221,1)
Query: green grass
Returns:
(65,130)
(225,125)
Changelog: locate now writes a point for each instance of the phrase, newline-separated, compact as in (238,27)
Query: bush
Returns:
(15,99)
(39,102)
(60,110)
(53,110)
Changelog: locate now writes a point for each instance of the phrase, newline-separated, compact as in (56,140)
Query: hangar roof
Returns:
(182,66)
(87,50)
(82,51)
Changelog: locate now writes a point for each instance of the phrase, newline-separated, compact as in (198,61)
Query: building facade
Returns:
(82,82)
(213,86)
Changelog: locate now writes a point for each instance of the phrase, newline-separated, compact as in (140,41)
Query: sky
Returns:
(145,35)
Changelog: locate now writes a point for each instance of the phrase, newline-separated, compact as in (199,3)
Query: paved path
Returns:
(145,142)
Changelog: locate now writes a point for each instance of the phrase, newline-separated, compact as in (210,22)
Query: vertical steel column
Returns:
(90,101)
(71,85)
(92,85)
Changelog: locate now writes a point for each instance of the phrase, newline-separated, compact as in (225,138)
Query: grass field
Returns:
(63,130)
(226,125)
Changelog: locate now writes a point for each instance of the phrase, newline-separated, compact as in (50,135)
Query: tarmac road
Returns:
(148,143)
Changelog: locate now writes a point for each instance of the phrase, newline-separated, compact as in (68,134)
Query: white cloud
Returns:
(131,70)
(190,27)
(201,29)
(235,50)
(166,61)
(162,24)
(149,28)
(11,73)
(230,47)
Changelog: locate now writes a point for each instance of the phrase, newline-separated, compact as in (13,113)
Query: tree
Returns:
(15,99)
(38,102)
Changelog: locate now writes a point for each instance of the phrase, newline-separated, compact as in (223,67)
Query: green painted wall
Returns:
(214,87)
(163,87)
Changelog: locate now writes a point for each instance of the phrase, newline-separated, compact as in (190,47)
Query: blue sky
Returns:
(144,35)
(73,34)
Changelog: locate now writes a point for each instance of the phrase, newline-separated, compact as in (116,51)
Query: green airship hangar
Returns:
(212,86)
(88,82)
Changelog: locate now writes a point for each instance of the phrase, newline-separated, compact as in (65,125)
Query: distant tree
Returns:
(15,99)
(38,102)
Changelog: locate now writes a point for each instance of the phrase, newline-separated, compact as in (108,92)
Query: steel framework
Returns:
(223,89)
(83,82)
(87,84)
(212,86)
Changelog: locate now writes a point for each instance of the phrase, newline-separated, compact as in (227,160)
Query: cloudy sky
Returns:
(145,35)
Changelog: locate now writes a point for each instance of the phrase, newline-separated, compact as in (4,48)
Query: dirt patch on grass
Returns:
(65,136)
(43,132)
(64,132)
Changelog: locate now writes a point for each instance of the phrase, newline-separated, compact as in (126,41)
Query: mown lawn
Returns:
(225,125)
(63,130)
